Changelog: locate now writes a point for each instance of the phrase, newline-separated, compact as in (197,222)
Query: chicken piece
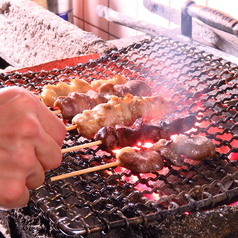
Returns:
(51,92)
(142,161)
(121,111)
(113,138)
(117,79)
(134,87)
(149,160)
(176,124)
(152,107)
(116,111)
(167,151)
(195,148)
(76,103)
(121,136)
(91,98)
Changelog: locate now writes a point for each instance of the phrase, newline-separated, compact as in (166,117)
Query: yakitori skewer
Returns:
(140,132)
(150,160)
(138,161)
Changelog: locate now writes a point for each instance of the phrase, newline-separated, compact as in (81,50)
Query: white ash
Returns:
(31,35)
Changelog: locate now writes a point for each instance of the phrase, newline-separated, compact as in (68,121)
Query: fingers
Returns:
(30,120)
(53,126)
(33,137)
(15,194)
(30,143)
(17,101)
(26,173)
(48,152)
(36,178)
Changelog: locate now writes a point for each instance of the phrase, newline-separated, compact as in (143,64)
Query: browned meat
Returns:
(167,151)
(195,148)
(134,87)
(76,103)
(176,124)
(51,92)
(121,111)
(149,160)
(117,137)
(113,138)
(142,161)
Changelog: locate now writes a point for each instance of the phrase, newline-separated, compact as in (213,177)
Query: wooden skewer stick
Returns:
(57,111)
(84,171)
(69,128)
(86,145)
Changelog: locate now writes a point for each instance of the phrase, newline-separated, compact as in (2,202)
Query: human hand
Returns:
(30,143)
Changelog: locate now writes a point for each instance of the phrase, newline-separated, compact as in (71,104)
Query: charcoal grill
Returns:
(201,83)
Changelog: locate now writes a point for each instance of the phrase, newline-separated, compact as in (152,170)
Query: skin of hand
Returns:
(30,144)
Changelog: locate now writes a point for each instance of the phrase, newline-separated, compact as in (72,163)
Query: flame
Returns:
(138,147)
(146,145)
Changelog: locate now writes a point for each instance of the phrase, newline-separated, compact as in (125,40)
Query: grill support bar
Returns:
(209,16)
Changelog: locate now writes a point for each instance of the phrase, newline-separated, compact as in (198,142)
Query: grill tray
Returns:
(200,83)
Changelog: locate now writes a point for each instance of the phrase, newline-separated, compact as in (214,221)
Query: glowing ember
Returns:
(147,145)
(233,156)
(140,145)
(186,213)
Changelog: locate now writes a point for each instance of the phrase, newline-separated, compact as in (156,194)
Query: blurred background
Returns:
(83,14)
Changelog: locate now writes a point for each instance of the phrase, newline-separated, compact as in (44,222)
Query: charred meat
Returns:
(117,137)
(174,151)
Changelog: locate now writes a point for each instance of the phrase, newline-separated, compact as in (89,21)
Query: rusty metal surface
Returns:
(200,83)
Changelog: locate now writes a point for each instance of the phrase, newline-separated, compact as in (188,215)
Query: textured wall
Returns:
(31,35)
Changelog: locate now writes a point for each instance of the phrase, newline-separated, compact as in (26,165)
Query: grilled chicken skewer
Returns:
(76,103)
(51,92)
(150,160)
(121,111)
(112,138)
(117,137)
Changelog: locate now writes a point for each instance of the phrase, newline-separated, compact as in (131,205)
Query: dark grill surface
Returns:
(200,83)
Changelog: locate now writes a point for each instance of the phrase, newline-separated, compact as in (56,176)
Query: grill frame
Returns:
(219,75)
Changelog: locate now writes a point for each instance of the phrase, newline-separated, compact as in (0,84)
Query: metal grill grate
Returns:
(200,83)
